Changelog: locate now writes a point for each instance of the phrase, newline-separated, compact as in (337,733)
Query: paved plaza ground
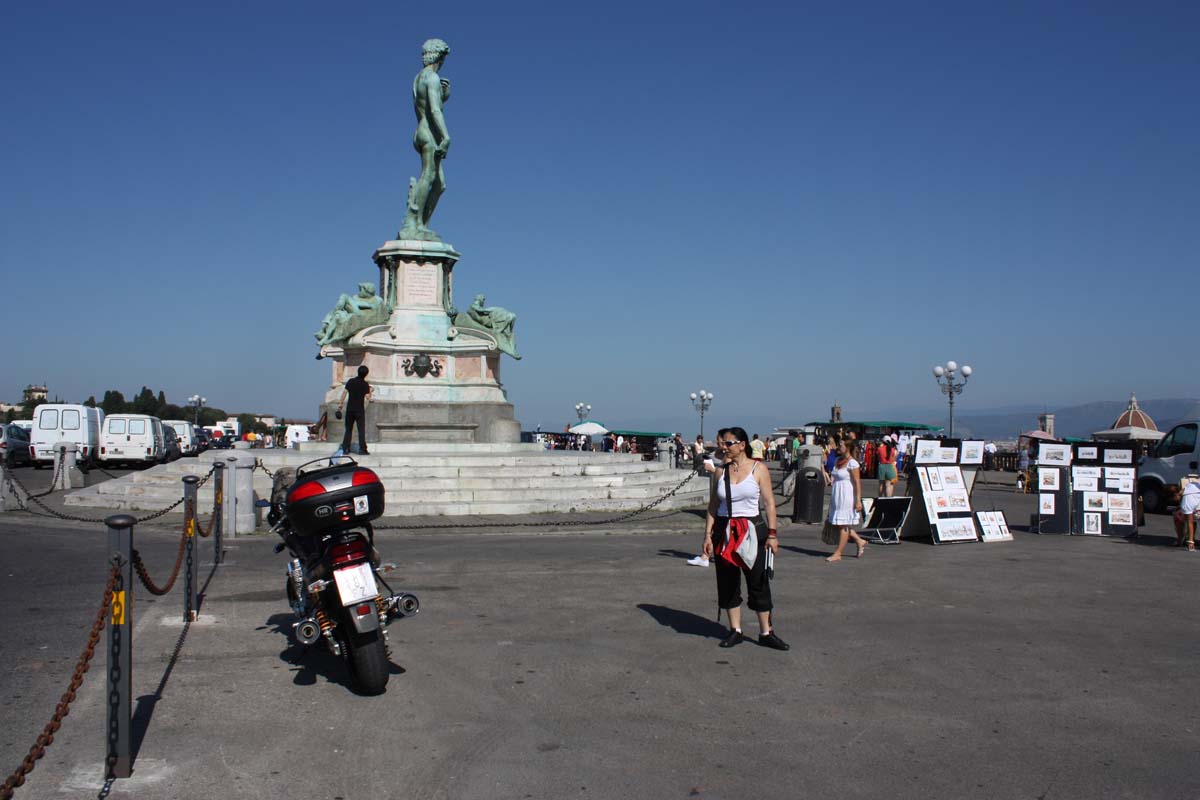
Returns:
(583,663)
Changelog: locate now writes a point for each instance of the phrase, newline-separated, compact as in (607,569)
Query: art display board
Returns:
(1052,490)
(1103,489)
(886,519)
(993,526)
(941,505)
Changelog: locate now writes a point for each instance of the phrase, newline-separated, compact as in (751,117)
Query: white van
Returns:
(189,444)
(65,422)
(132,439)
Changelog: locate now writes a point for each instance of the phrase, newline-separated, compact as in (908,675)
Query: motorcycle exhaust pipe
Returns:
(307,631)
(406,605)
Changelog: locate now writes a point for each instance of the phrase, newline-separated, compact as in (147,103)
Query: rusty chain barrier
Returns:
(46,737)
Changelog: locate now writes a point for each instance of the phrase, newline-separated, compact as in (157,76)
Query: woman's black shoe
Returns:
(772,641)
(734,638)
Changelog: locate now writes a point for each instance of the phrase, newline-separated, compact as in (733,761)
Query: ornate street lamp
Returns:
(701,401)
(197,401)
(950,387)
(583,411)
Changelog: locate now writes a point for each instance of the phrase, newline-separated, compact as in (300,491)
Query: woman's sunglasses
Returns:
(730,443)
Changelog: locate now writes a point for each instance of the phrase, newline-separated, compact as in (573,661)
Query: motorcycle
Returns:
(323,511)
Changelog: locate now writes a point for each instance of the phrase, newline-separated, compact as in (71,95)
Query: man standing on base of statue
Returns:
(356,413)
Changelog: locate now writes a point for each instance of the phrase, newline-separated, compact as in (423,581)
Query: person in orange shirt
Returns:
(887,467)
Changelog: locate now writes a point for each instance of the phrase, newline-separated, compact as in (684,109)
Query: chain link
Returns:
(549,524)
(258,464)
(46,738)
(150,585)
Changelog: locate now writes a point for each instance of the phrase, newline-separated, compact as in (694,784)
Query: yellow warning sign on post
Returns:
(118,608)
(191,527)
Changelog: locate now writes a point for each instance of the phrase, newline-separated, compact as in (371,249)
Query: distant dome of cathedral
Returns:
(1134,417)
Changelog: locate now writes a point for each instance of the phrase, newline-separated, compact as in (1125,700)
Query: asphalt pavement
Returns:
(583,662)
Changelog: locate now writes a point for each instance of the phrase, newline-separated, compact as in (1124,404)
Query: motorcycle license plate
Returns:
(356,584)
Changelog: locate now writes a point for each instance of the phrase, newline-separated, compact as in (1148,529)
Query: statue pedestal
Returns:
(431,381)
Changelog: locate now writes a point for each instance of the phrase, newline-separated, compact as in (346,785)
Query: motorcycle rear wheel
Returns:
(369,663)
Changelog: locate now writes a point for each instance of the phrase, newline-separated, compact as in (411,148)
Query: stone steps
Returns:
(473,479)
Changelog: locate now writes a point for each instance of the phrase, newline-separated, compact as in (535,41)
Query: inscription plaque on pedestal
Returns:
(421,284)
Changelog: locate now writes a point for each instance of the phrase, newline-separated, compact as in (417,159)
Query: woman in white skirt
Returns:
(845,506)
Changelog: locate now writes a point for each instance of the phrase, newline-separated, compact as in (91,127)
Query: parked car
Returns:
(14,445)
(65,422)
(203,438)
(185,432)
(1174,457)
(132,439)
(171,448)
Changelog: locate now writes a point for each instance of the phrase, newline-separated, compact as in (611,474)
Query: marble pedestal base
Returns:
(431,381)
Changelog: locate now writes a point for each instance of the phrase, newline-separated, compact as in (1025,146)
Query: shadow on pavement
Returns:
(315,661)
(804,551)
(671,552)
(685,621)
(144,711)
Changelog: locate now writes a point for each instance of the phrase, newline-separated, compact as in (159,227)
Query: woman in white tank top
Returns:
(732,514)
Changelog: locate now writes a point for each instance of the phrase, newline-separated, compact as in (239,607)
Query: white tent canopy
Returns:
(1129,433)
(589,428)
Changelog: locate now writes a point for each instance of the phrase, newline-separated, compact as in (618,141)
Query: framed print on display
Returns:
(1120,502)
(924,476)
(1086,484)
(1118,456)
(1088,454)
(1091,523)
(935,479)
(948,455)
(972,453)
(1086,472)
(951,477)
(1120,517)
(1048,479)
(928,451)
(1054,455)
(957,500)
(1095,501)
(1046,504)
(958,529)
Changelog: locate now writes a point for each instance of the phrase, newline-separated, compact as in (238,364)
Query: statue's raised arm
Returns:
(431,140)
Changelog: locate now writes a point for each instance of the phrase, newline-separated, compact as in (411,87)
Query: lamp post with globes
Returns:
(950,387)
(197,401)
(701,401)
(583,411)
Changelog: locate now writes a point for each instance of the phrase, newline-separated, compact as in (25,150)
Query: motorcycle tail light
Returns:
(310,489)
(348,552)
(364,609)
(364,476)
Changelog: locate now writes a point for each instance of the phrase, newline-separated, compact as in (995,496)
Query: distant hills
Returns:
(1080,420)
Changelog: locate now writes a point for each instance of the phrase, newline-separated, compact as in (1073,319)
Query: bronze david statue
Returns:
(432,140)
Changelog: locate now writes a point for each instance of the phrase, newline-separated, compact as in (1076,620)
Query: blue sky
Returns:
(786,204)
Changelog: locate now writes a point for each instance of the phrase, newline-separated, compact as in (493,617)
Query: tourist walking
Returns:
(845,505)
(738,541)
(886,471)
(359,391)
(756,448)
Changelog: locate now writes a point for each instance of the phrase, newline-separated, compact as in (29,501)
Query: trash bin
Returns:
(810,496)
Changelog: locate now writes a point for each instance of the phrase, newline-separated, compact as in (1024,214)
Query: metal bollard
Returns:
(66,467)
(118,760)
(219,513)
(191,586)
